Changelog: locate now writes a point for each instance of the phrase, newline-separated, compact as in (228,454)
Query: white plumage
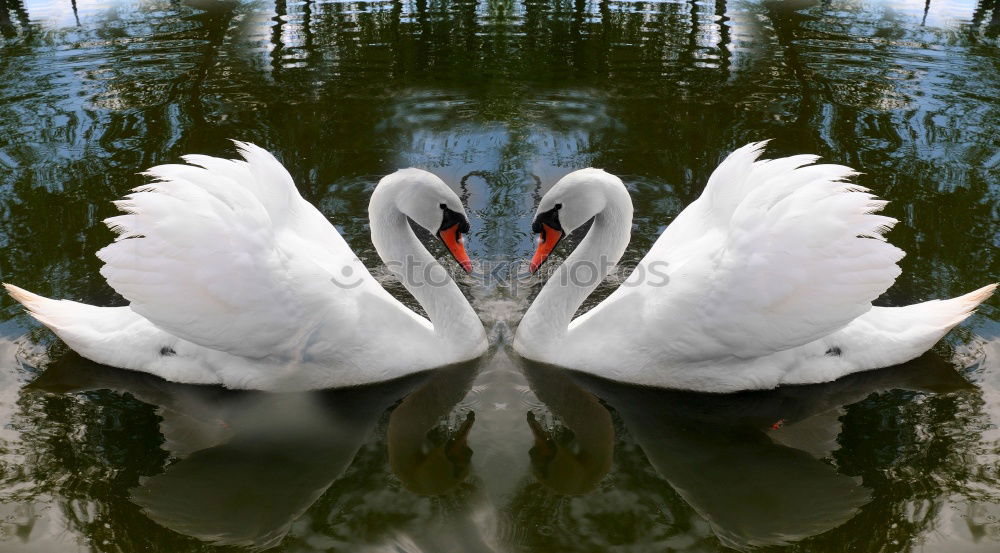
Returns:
(766,279)
(234,279)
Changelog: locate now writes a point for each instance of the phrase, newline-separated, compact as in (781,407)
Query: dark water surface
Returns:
(500,98)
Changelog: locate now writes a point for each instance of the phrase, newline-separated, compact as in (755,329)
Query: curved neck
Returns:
(570,284)
(429,283)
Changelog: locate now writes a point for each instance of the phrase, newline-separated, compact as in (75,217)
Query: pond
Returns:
(500,98)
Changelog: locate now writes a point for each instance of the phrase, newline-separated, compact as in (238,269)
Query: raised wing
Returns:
(773,255)
(227,254)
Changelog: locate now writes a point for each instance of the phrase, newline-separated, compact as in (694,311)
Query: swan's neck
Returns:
(597,255)
(431,285)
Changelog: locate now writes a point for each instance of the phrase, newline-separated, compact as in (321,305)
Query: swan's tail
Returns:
(100,334)
(897,334)
(59,315)
(884,336)
(943,315)
(115,336)
(908,331)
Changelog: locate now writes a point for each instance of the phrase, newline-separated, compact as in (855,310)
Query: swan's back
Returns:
(225,254)
(774,254)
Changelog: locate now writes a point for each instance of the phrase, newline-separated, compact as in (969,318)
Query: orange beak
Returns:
(453,239)
(547,241)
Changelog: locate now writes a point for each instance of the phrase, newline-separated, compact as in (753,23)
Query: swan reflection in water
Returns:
(251,463)
(572,455)
(427,459)
(754,465)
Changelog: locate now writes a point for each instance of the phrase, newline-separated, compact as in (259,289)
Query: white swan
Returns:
(234,279)
(766,279)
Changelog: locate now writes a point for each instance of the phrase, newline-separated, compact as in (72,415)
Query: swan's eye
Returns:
(558,207)
(444,206)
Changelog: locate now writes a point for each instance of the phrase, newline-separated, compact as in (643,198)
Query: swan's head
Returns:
(574,200)
(427,201)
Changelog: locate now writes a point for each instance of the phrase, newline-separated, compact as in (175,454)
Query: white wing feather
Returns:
(227,254)
(773,255)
